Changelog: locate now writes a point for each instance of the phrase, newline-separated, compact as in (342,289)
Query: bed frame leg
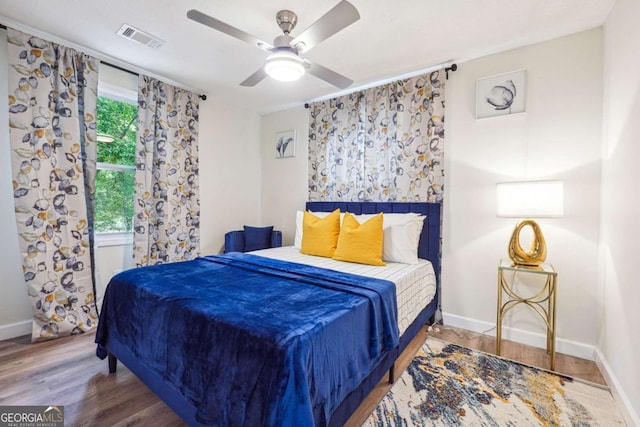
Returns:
(392,374)
(113,363)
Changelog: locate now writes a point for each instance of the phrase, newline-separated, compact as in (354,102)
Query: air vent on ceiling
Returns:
(132,33)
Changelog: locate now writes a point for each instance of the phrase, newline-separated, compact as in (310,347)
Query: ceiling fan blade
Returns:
(328,75)
(341,16)
(223,27)
(254,78)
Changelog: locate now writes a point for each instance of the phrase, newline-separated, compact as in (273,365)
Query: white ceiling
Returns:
(391,38)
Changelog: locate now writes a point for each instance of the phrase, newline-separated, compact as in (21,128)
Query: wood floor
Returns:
(67,372)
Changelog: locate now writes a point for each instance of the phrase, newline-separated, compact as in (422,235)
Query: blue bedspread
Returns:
(250,340)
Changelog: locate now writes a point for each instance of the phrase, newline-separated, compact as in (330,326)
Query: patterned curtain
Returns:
(52,113)
(167,206)
(382,144)
(336,149)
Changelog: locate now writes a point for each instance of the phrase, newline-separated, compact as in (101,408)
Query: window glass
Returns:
(116,160)
(114,200)
(116,132)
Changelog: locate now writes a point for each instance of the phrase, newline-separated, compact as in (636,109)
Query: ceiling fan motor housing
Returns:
(283,41)
(286,20)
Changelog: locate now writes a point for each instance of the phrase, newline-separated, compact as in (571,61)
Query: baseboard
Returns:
(629,414)
(17,329)
(572,348)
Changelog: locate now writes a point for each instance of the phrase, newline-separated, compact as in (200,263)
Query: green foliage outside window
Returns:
(117,119)
(114,184)
(114,201)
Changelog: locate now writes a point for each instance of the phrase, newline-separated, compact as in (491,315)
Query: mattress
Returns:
(415,283)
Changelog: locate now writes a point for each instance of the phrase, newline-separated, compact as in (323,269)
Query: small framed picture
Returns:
(285,144)
(501,95)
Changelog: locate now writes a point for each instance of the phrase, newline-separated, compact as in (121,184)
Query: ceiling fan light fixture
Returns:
(284,66)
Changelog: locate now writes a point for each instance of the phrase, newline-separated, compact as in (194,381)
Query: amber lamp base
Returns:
(538,252)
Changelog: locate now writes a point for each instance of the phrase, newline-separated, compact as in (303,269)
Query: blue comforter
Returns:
(249,340)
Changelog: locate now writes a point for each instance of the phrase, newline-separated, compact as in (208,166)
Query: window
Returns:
(116,134)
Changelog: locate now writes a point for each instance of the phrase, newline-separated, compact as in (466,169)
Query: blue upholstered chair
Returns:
(252,238)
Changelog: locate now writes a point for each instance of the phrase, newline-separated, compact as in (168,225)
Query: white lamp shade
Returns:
(284,66)
(530,199)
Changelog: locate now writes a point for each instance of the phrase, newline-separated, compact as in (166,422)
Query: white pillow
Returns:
(297,240)
(401,236)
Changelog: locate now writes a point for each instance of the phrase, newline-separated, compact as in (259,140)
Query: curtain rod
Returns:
(201,96)
(451,67)
(117,67)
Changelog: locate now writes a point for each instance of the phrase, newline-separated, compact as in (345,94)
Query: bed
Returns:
(205,352)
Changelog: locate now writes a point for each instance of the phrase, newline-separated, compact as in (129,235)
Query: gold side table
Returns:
(543,302)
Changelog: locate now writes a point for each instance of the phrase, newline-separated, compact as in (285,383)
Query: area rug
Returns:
(449,385)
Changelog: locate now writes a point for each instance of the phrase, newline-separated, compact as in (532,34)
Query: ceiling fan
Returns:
(285,62)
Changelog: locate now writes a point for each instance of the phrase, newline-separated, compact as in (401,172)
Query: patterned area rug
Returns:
(449,385)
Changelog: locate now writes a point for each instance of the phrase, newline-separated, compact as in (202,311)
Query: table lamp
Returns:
(527,200)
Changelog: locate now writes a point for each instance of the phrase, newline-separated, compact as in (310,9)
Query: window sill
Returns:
(113,239)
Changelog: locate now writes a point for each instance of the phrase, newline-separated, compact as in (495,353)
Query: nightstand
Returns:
(543,302)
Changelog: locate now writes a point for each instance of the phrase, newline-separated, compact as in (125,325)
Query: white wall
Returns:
(557,138)
(110,260)
(284,181)
(620,226)
(15,309)
(230,171)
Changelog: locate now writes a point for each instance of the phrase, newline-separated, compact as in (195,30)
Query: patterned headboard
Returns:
(429,246)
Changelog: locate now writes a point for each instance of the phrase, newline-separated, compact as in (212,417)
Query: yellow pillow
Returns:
(320,235)
(361,243)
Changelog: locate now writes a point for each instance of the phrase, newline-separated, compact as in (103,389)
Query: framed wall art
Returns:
(285,144)
(501,95)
